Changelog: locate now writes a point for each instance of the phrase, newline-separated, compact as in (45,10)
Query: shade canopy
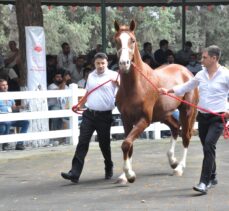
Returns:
(126,2)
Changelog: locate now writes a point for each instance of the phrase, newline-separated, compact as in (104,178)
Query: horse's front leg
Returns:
(127,148)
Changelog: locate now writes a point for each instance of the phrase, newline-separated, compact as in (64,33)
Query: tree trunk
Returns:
(29,13)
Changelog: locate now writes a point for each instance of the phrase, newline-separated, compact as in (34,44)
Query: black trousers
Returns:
(210,128)
(101,123)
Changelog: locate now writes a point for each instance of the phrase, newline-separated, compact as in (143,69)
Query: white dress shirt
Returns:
(212,92)
(103,98)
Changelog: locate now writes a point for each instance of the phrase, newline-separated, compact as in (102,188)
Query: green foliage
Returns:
(59,28)
(4,27)
(81,27)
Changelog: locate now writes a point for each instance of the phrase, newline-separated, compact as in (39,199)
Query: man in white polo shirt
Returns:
(97,117)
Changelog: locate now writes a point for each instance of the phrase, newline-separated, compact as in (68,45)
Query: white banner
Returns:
(36,58)
(36,76)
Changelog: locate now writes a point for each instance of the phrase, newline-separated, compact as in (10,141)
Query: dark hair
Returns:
(146,44)
(146,56)
(213,50)
(100,55)
(188,43)
(2,80)
(163,42)
(64,44)
(66,73)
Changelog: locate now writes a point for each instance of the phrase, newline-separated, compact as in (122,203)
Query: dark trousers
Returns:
(210,128)
(101,123)
(23,124)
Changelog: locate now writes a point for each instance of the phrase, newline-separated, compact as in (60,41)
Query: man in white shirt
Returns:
(66,59)
(97,117)
(213,83)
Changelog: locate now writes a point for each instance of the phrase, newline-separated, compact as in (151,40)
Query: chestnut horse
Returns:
(140,103)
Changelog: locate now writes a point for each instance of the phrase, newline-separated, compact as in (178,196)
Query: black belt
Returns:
(99,112)
(209,114)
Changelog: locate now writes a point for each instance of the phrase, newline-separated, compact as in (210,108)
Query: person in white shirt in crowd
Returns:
(82,83)
(213,84)
(66,59)
(13,57)
(56,103)
(77,73)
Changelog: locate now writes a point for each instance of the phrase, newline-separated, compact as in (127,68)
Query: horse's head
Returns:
(125,44)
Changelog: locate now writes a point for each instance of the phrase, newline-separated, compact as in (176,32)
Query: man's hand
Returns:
(115,82)
(162,91)
(226,115)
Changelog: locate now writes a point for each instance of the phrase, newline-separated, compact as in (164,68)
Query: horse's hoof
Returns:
(131,179)
(120,181)
(177,173)
(174,165)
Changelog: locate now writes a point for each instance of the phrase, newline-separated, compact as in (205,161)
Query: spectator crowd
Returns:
(67,67)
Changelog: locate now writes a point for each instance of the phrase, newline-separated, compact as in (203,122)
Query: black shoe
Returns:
(201,187)
(19,147)
(70,176)
(108,173)
(212,183)
(6,147)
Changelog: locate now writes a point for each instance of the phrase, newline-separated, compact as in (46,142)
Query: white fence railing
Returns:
(73,132)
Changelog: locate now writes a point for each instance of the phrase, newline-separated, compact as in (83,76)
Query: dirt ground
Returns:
(30,180)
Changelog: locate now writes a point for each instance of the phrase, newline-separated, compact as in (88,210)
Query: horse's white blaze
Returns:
(180,168)
(171,152)
(124,60)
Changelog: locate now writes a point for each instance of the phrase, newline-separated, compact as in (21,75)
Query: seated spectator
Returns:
(8,106)
(91,54)
(183,56)
(12,59)
(51,68)
(170,58)
(77,73)
(83,81)
(54,103)
(161,54)
(9,74)
(147,59)
(112,63)
(66,59)
(194,65)
(146,52)
(59,82)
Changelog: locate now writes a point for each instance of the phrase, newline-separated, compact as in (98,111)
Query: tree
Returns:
(29,13)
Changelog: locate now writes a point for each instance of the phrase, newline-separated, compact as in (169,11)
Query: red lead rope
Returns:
(75,107)
(226,128)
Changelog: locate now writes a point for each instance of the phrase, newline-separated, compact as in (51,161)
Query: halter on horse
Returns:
(140,103)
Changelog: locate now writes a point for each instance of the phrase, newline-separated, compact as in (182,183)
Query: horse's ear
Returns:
(116,25)
(132,25)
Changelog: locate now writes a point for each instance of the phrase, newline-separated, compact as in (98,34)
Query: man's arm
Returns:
(11,58)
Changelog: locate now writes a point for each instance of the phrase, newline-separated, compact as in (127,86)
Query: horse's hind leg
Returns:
(174,127)
(187,118)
